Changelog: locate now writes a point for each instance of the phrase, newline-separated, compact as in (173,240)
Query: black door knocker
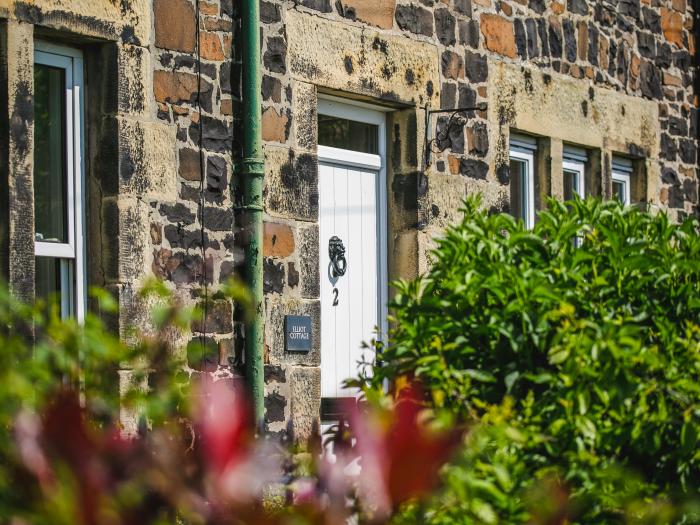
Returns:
(336,251)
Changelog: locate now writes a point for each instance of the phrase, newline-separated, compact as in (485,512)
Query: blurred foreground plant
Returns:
(65,457)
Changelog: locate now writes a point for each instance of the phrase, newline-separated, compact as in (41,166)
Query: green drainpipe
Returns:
(253,173)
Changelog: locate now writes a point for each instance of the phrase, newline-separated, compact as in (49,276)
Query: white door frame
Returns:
(360,112)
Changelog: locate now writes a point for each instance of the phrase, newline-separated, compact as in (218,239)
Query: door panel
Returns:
(348,209)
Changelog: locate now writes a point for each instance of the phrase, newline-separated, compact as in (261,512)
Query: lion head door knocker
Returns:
(336,252)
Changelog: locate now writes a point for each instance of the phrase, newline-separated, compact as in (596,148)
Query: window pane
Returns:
(54,282)
(518,183)
(619,192)
(348,134)
(570,184)
(50,181)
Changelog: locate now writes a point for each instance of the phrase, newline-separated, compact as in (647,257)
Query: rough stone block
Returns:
(278,240)
(175,25)
(378,13)
(320,52)
(147,159)
(499,34)
(305,390)
(291,183)
(307,257)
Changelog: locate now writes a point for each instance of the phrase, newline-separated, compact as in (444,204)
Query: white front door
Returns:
(352,241)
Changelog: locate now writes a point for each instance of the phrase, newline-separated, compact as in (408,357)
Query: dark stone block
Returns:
(678,126)
(676,197)
(271,89)
(533,49)
(629,8)
(650,80)
(292,275)
(669,176)
(319,5)
(542,32)
(463,6)
(216,134)
(445,27)
(669,149)
(178,237)
(503,174)
(690,188)
(605,14)
(651,20)
(217,219)
(415,19)
(538,6)
(476,67)
(177,213)
(555,40)
(612,58)
(479,139)
(646,44)
(456,138)
(467,96)
(682,60)
(448,96)
(269,12)
(664,55)
(593,45)
(580,7)
(275,57)
(273,276)
(469,33)
(275,374)
(225,77)
(520,38)
(274,408)
(217,174)
(688,151)
(570,40)
(475,169)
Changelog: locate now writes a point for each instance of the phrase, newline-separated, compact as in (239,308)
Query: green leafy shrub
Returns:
(586,329)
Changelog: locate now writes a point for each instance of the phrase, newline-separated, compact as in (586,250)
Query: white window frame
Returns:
(523,148)
(71,61)
(574,161)
(369,114)
(622,173)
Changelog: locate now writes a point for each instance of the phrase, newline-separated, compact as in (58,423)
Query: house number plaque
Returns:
(297,333)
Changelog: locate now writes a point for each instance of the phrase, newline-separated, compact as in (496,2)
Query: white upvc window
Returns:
(574,171)
(59,202)
(522,178)
(622,180)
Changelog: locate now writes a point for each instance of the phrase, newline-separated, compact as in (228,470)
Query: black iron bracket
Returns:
(457,118)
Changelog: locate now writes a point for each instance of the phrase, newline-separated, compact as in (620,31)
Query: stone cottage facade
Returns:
(426,101)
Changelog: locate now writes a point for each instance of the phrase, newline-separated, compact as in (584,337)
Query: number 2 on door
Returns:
(335,297)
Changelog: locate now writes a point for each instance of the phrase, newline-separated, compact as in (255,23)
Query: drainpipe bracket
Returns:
(253,167)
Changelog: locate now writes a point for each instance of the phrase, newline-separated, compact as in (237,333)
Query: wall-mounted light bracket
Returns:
(457,118)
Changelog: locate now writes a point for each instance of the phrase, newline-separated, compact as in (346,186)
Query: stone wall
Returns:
(616,77)
(163,83)
(159,91)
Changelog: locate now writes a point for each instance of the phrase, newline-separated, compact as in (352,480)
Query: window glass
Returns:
(518,189)
(619,191)
(570,184)
(348,134)
(50,191)
(54,282)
